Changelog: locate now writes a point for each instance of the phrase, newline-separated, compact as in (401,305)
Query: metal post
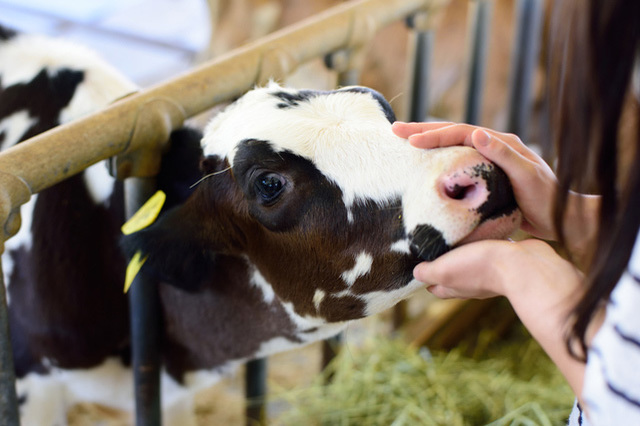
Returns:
(144,306)
(480,13)
(330,348)
(422,56)
(255,391)
(525,54)
(8,397)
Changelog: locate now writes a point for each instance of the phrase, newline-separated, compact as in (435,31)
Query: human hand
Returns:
(534,183)
(523,271)
(542,287)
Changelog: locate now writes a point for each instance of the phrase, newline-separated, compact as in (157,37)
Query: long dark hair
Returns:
(594,45)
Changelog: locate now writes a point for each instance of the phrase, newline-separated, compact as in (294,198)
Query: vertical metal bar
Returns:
(330,348)
(349,77)
(144,306)
(255,391)
(8,397)
(525,54)
(480,13)
(419,108)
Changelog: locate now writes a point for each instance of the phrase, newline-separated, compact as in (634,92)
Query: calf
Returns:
(307,213)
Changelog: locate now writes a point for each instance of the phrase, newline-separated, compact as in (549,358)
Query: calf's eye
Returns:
(269,186)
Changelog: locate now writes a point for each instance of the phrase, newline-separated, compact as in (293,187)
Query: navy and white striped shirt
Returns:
(611,389)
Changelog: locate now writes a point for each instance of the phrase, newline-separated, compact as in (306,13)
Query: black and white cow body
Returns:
(310,213)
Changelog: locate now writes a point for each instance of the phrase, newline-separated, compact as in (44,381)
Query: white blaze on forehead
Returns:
(346,135)
(348,138)
(362,267)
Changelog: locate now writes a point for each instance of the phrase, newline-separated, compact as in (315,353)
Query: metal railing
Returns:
(134,130)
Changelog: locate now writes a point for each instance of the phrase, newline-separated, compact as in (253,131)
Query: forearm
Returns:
(551,338)
(549,326)
(544,301)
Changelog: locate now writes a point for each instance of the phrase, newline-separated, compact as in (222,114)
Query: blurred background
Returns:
(148,40)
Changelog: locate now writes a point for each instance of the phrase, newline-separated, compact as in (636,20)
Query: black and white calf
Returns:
(310,213)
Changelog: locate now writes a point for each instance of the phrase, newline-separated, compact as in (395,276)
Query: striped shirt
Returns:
(611,389)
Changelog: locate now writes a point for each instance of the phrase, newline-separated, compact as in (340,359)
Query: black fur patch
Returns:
(427,243)
(6,33)
(180,166)
(44,97)
(177,260)
(290,100)
(175,257)
(501,200)
(384,105)
(314,191)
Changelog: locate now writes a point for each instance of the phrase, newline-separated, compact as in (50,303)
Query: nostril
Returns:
(459,192)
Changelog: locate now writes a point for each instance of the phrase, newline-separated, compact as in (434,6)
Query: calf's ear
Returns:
(182,244)
(174,253)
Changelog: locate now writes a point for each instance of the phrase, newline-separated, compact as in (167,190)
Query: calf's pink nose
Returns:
(464,189)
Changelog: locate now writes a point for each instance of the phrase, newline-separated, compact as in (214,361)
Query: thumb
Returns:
(499,152)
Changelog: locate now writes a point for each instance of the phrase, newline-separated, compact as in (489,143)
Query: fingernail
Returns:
(482,138)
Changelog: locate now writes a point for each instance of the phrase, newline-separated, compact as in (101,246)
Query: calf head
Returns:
(329,210)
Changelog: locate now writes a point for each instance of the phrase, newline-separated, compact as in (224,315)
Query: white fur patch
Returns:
(302,322)
(259,281)
(110,384)
(99,182)
(25,55)
(49,396)
(378,301)
(401,246)
(14,127)
(23,239)
(362,267)
(318,297)
(328,129)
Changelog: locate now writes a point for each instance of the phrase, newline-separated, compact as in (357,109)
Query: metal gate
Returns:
(134,130)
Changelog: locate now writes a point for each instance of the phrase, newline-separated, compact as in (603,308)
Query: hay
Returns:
(387,383)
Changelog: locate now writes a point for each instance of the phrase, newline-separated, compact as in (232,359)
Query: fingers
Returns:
(483,137)
(509,159)
(465,272)
(435,135)
(443,134)
(442,292)
(405,130)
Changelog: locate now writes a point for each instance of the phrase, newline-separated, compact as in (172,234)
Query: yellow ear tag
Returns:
(147,214)
(144,217)
(133,268)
